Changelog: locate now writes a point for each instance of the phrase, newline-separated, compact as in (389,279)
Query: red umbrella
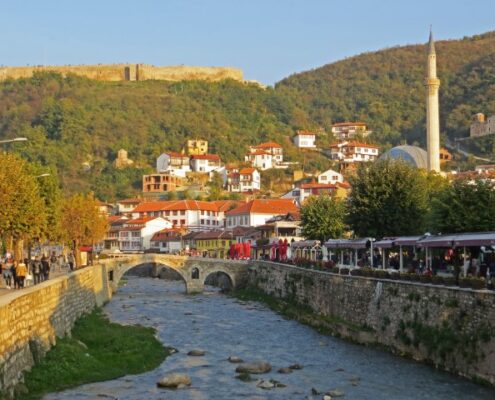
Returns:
(273,251)
(241,251)
(247,250)
(232,251)
(284,252)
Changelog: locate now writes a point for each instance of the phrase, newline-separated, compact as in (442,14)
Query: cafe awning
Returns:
(437,241)
(305,244)
(384,243)
(347,244)
(407,240)
(475,239)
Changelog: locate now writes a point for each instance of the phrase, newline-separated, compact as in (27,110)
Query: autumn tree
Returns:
(82,223)
(23,211)
(322,217)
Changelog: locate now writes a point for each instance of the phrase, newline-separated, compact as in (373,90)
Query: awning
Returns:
(475,239)
(384,243)
(305,243)
(347,244)
(407,240)
(437,241)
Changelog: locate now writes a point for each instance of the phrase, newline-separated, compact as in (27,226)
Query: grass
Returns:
(98,350)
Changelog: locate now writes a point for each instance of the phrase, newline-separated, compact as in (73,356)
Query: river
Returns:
(224,326)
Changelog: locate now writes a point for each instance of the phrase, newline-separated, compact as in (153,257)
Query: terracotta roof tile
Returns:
(247,171)
(211,157)
(268,145)
(266,206)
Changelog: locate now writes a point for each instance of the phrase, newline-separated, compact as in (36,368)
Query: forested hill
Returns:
(385,88)
(74,123)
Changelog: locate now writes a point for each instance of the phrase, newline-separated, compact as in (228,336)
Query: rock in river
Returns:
(235,360)
(196,353)
(174,381)
(296,366)
(284,370)
(254,368)
(265,384)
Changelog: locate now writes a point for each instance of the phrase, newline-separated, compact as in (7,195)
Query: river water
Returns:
(225,327)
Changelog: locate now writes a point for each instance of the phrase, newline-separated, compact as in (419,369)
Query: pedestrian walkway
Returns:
(53,274)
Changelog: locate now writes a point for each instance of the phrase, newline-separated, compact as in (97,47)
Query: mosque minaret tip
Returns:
(432,84)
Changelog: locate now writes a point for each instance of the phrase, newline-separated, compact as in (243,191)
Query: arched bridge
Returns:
(193,270)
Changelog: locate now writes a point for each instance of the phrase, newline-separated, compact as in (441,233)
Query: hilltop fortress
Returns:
(128,72)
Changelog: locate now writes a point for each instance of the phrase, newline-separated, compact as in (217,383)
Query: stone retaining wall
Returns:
(32,319)
(451,328)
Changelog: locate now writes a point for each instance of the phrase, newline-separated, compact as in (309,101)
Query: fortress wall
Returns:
(128,72)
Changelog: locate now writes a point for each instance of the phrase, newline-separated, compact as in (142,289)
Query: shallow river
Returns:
(226,327)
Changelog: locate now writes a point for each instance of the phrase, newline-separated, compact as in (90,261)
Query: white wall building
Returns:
(349,130)
(167,241)
(205,163)
(257,212)
(351,152)
(305,140)
(265,155)
(245,180)
(173,163)
(330,176)
(136,234)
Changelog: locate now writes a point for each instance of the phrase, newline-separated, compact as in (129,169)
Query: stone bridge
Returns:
(193,270)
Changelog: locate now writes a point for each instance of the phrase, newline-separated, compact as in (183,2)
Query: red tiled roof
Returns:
(176,154)
(211,157)
(266,206)
(113,218)
(258,153)
(299,133)
(140,221)
(267,145)
(225,205)
(315,185)
(214,235)
(349,124)
(354,144)
(173,205)
(247,171)
(344,185)
(166,234)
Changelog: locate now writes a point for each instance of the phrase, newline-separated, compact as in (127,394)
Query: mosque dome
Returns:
(413,155)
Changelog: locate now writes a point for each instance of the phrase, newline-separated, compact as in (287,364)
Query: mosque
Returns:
(414,155)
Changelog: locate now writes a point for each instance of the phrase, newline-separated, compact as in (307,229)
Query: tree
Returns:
(322,218)
(22,211)
(216,186)
(82,222)
(466,205)
(388,198)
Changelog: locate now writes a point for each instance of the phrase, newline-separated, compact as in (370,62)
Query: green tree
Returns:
(82,222)
(322,217)
(466,205)
(388,198)
(216,187)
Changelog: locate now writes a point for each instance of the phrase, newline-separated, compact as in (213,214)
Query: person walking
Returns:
(37,267)
(45,263)
(53,262)
(20,272)
(7,272)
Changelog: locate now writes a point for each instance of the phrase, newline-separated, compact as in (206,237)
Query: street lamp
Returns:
(17,139)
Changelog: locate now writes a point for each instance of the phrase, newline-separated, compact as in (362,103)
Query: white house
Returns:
(265,155)
(125,207)
(174,163)
(305,140)
(136,234)
(349,130)
(330,176)
(245,180)
(205,163)
(167,241)
(352,152)
(257,212)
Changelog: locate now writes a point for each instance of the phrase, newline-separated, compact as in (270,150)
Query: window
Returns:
(182,221)
(323,177)
(202,222)
(195,273)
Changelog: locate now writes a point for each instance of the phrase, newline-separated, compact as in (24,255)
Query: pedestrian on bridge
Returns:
(20,272)
(45,270)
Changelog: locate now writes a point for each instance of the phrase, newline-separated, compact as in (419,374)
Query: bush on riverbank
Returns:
(98,350)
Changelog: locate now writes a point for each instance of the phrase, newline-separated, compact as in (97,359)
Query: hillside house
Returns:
(305,140)
(135,234)
(173,163)
(205,163)
(349,130)
(245,180)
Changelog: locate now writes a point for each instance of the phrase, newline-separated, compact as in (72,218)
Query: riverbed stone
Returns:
(235,360)
(174,381)
(296,366)
(196,353)
(265,385)
(254,368)
(335,393)
(285,370)
(327,397)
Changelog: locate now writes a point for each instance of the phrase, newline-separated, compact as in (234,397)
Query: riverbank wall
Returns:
(33,318)
(450,328)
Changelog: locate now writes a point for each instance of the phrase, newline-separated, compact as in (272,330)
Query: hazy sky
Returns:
(268,39)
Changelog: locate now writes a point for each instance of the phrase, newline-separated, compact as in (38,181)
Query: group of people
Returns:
(18,274)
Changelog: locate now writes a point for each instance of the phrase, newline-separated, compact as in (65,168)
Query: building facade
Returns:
(161,183)
(305,140)
(244,180)
(482,126)
(256,212)
(173,163)
(349,130)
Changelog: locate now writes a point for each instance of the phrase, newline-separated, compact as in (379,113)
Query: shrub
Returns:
(344,271)
(381,274)
(356,272)
(437,280)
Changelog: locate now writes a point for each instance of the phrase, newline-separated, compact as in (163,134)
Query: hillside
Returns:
(385,89)
(77,125)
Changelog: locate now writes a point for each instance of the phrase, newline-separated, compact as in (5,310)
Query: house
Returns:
(189,244)
(190,214)
(330,176)
(196,146)
(111,240)
(135,234)
(167,241)
(303,191)
(265,155)
(161,183)
(122,160)
(106,208)
(444,155)
(305,140)
(125,207)
(482,126)
(256,212)
(215,244)
(245,180)
(350,152)
(173,163)
(205,163)
(349,130)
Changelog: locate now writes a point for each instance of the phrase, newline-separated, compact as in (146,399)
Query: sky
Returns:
(268,39)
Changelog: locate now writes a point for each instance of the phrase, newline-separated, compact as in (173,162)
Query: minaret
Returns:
(432,84)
